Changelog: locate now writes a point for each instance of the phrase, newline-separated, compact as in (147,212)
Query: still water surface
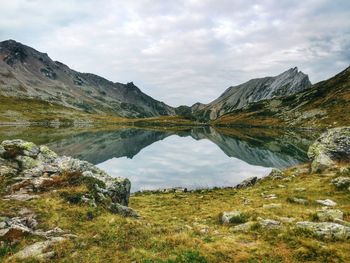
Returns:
(191,158)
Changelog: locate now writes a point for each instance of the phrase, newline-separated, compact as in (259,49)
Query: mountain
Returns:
(324,104)
(28,73)
(289,82)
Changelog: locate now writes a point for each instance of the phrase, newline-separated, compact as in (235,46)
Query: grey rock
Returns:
(275,174)
(300,201)
(341,182)
(326,202)
(20,147)
(123,210)
(326,230)
(232,217)
(247,182)
(245,227)
(327,214)
(269,223)
(38,250)
(21,197)
(333,146)
(2,151)
(272,206)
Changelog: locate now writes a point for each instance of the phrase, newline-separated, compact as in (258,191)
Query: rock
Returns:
(326,202)
(286,219)
(39,250)
(333,146)
(20,147)
(327,214)
(269,223)
(123,210)
(296,200)
(247,182)
(243,227)
(271,196)
(300,189)
(341,182)
(275,174)
(272,206)
(2,151)
(325,230)
(40,165)
(233,217)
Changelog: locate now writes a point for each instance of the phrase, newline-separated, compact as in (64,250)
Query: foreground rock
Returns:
(37,168)
(332,147)
(326,230)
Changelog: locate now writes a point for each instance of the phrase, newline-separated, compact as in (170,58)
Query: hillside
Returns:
(325,104)
(30,74)
(289,82)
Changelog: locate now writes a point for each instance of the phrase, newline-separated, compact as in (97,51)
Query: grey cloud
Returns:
(182,52)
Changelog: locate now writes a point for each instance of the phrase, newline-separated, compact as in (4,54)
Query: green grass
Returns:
(171,227)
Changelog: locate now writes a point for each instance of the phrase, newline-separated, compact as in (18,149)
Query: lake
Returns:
(157,158)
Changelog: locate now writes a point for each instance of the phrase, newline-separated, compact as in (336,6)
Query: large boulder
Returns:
(37,166)
(326,230)
(247,182)
(332,147)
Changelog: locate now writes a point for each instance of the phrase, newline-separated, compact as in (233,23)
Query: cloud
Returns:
(182,52)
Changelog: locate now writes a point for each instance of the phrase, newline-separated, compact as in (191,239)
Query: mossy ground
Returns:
(184,227)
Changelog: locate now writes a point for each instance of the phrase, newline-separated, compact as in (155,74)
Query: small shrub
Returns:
(72,198)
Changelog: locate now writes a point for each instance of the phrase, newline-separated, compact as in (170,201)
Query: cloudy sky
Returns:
(182,52)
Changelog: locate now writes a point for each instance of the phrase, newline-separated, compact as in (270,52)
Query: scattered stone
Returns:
(296,200)
(233,217)
(300,189)
(326,230)
(341,182)
(39,250)
(243,227)
(333,146)
(326,202)
(247,182)
(123,210)
(275,174)
(271,196)
(327,214)
(269,223)
(20,197)
(281,186)
(286,219)
(272,206)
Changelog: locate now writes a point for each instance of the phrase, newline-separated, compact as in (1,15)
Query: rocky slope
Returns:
(325,104)
(289,82)
(28,73)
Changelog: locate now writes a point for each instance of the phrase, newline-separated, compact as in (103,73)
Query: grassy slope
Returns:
(172,227)
(23,111)
(326,104)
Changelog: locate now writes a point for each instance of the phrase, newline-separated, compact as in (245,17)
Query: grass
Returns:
(184,227)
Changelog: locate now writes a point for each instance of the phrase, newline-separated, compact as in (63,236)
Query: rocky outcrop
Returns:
(247,182)
(289,82)
(331,148)
(36,169)
(326,230)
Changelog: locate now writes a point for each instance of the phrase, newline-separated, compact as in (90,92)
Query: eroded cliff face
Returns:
(289,82)
(28,73)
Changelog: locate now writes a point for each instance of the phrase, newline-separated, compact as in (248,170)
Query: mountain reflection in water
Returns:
(192,158)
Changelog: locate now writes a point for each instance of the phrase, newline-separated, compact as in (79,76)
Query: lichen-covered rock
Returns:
(2,151)
(38,250)
(275,174)
(326,230)
(123,210)
(233,217)
(327,214)
(326,202)
(272,206)
(247,182)
(245,227)
(20,147)
(333,146)
(35,167)
(341,182)
(269,223)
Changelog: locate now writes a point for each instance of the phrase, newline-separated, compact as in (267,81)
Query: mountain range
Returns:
(286,99)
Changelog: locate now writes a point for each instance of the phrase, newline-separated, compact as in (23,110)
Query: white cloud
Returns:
(182,52)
